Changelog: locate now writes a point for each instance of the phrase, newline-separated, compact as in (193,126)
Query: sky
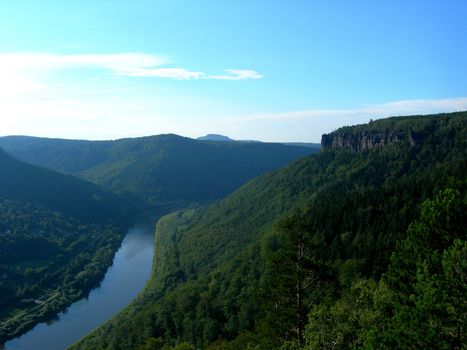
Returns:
(249,69)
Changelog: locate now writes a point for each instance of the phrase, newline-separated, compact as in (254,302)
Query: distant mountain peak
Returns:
(214,137)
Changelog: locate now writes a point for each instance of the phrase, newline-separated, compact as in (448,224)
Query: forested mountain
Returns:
(158,169)
(73,197)
(359,246)
(58,235)
(66,156)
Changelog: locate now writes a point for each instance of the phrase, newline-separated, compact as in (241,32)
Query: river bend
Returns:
(123,281)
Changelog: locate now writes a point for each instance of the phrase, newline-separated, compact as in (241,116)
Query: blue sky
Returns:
(267,70)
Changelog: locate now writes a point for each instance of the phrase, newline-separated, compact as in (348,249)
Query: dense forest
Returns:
(159,169)
(58,235)
(47,261)
(24,182)
(360,246)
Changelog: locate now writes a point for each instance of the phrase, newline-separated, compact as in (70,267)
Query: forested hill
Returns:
(66,156)
(301,257)
(66,194)
(158,169)
(58,235)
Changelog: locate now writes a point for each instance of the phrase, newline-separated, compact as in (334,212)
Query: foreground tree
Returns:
(293,273)
(427,282)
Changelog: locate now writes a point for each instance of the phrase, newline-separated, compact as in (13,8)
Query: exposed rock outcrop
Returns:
(368,139)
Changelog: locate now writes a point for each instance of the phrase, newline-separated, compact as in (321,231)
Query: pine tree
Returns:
(427,279)
(292,273)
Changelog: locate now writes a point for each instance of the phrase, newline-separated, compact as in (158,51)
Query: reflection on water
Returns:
(54,319)
(123,281)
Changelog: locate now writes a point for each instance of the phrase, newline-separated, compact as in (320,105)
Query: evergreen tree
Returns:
(427,279)
(293,272)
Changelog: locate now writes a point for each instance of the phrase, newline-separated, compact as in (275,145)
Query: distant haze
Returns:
(254,70)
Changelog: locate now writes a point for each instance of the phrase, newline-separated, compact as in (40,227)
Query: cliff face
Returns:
(368,139)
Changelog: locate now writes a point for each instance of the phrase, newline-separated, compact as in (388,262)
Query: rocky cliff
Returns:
(366,140)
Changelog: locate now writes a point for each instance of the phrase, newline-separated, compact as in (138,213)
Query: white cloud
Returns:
(173,73)
(425,106)
(106,117)
(119,62)
(34,97)
(130,64)
(396,108)
(97,107)
(309,125)
(237,74)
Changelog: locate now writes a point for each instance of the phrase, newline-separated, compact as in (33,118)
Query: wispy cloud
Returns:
(309,125)
(130,64)
(173,73)
(119,62)
(32,101)
(237,74)
(375,111)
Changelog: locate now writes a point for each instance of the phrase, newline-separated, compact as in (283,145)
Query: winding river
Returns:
(126,277)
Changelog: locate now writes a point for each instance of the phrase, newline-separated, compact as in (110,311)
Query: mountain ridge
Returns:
(33,184)
(225,275)
(161,168)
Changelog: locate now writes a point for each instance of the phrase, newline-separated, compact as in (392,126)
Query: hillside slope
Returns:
(248,271)
(23,182)
(158,169)
(58,235)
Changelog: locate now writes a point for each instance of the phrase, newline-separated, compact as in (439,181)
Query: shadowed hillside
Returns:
(301,257)
(58,235)
(159,169)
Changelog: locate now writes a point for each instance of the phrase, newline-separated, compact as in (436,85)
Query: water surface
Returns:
(123,281)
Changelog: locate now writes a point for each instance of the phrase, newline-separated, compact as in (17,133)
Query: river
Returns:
(123,281)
